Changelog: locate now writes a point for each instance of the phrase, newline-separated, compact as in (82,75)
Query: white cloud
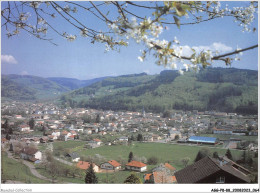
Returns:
(24,73)
(9,59)
(216,46)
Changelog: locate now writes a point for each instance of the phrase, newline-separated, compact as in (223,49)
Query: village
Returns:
(41,133)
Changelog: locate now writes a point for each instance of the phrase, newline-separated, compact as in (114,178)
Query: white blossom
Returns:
(84,32)
(71,38)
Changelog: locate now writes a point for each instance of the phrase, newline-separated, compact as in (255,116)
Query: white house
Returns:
(24,128)
(74,156)
(123,138)
(111,165)
(136,166)
(32,154)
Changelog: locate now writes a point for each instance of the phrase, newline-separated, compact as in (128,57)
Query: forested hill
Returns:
(26,87)
(221,89)
(72,83)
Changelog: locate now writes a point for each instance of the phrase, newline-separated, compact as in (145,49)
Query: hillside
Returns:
(73,83)
(12,90)
(221,89)
(18,87)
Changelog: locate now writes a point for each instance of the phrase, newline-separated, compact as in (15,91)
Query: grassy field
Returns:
(164,152)
(13,170)
(61,179)
(116,177)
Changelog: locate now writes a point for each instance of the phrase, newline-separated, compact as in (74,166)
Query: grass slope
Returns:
(16,171)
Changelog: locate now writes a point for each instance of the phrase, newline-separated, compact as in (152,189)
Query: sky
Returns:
(24,54)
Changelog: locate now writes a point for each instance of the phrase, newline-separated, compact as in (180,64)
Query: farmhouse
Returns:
(74,156)
(136,166)
(159,177)
(204,140)
(32,154)
(85,165)
(111,165)
(165,167)
(211,170)
(24,128)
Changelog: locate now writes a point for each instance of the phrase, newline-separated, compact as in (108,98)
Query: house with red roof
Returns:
(85,165)
(159,177)
(111,165)
(162,174)
(136,166)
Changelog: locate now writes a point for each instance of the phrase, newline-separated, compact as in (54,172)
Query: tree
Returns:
(132,137)
(167,114)
(215,155)
(6,126)
(139,137)
(130,156)
(8,137)
(228,154)
(32,123)
(243,157)
(98,118)
(53,169)
(152,160)
(185,161)
(91,177)
(177,137)
(202,153)
(142,22)
(133,179)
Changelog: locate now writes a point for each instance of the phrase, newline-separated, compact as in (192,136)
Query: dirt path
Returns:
(29,165)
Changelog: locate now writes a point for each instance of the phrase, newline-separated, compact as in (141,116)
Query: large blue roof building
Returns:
(200,139)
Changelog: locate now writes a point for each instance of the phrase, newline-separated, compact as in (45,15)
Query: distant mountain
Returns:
(73,83)
(15,91)
(221,89)
(26,87)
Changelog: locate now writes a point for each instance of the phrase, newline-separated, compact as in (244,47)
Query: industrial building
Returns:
(203,140)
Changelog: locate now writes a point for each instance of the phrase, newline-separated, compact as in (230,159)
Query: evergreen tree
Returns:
(215,155)
(198,157)
(98,118)
(91,177)
(31,123)
(133,179)
(8,137)
(167,114)
(229,155)
(6,126)
(202,153)
(130,156)
(139,137)
(243,157)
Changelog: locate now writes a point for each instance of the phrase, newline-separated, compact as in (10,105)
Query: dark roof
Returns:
(206,167)
(29,150)
(73,155)
(197,171)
